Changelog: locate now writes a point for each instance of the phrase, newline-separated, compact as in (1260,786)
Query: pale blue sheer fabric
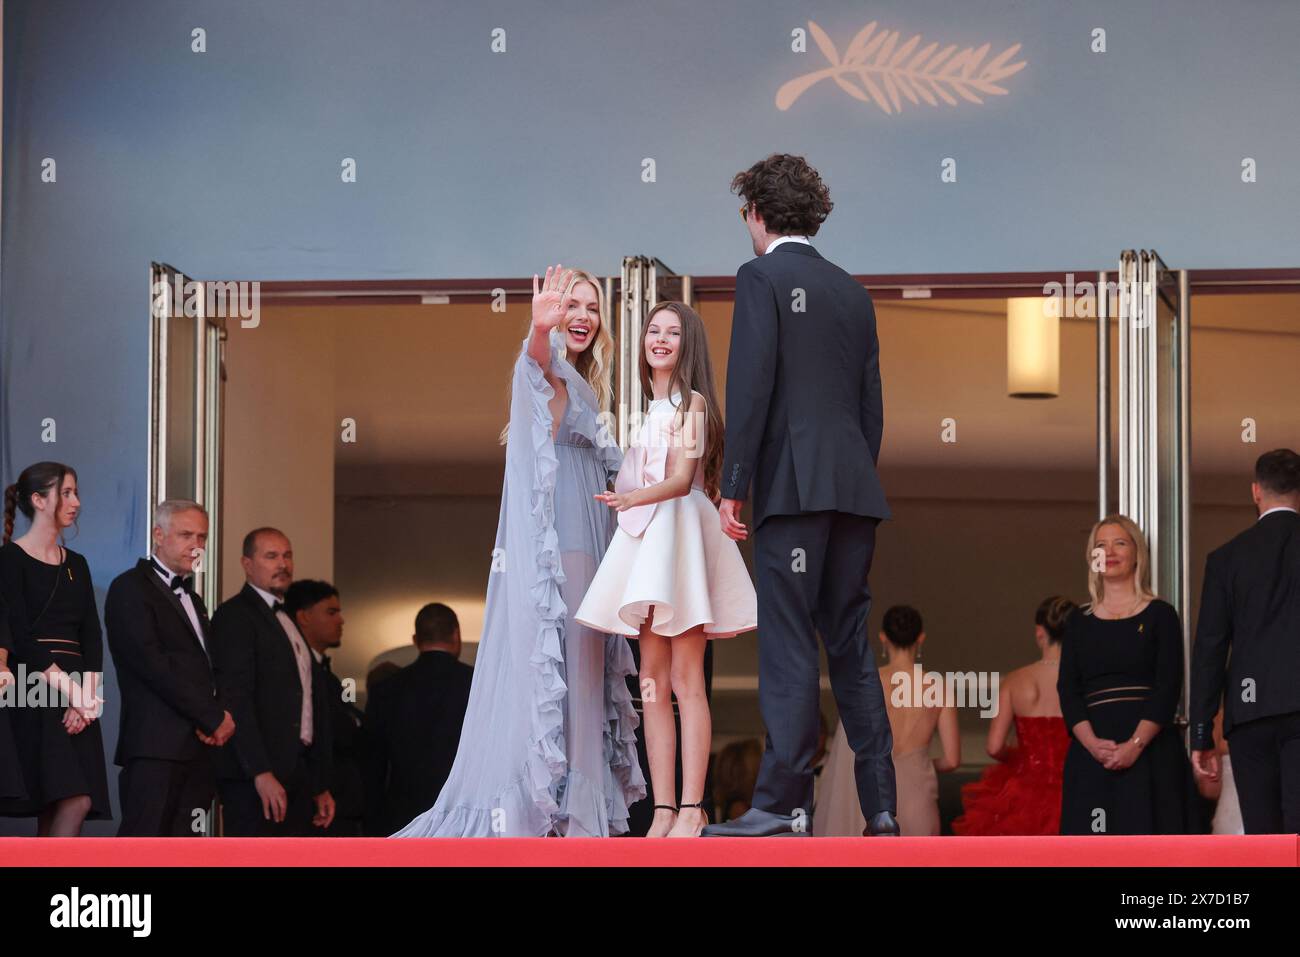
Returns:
(548,742)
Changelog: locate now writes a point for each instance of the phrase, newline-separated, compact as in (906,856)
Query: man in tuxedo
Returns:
(315,608)
(413,722)
(1248,632)
(158,635)
(804,423)
(274,775)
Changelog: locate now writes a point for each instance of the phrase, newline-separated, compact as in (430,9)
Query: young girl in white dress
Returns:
(670,577)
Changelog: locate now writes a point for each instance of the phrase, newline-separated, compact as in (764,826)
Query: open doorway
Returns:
(362,417)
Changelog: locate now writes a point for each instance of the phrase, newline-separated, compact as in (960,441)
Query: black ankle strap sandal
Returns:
(664,807)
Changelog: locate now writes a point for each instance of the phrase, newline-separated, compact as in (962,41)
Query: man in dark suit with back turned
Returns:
(158,635)
(274,777)
(413,723)
(1248,631)
(804,422)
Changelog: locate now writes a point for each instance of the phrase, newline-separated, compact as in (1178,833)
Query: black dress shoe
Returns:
(759,823)
(882,825)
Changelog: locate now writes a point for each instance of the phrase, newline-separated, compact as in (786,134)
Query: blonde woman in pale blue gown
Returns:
(548,745)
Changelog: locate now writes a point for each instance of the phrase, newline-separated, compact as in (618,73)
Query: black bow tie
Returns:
(180,583)
(278,607)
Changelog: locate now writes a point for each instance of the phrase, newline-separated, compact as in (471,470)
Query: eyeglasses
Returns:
(744,213)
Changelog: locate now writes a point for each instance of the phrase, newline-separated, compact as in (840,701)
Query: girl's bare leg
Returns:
(697,728)
(660,729)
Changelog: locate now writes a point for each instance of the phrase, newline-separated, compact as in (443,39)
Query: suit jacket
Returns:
(1250,606)
(257,678)
(346,782)
(166,679)
(804,409)
(413,723)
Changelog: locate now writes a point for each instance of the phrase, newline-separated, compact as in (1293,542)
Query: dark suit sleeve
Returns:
(1163,703)
(134,642)
(234,660)
(873,406)
(1210,652)
(322,729)
(375,765)
(1069,680)
(751,377)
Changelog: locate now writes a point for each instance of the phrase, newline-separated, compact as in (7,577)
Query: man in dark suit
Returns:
(413,722)
(171,717)
(274,775)
(1248,631)
(804,422)
(315,608)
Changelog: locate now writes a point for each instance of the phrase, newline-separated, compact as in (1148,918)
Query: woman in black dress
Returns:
(1121,677)
(55,631)
(13,794)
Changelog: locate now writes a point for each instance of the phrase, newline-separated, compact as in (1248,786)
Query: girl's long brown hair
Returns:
(694,371)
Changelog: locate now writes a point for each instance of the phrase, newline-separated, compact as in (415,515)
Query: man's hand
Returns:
(274,801)
(324,816)
(220,736)
(1206,763)
(729,512)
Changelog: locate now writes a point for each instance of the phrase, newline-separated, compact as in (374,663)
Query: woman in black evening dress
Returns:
(1121,676)
(54,624)
(13,793)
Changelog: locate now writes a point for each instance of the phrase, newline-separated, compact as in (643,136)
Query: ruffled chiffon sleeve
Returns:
(532,464)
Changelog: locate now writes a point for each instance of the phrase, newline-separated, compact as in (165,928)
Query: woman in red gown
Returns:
(1021,792)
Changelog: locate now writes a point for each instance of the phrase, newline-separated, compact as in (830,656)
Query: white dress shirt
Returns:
(302,655)
(1277,508)
(187,602)
(786,239)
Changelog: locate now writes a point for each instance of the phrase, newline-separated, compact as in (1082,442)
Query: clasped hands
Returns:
(220,736)
(1114,756)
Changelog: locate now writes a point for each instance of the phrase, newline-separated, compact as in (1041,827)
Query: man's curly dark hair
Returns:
(787,192)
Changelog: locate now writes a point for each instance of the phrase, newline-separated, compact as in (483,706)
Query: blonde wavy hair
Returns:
(595,362)
(1141,568)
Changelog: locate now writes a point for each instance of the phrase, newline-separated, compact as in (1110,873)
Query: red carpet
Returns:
(1272,850)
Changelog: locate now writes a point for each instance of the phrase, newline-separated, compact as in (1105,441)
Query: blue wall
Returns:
(473,164)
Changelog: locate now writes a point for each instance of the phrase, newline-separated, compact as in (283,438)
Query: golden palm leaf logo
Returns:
(876,69)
